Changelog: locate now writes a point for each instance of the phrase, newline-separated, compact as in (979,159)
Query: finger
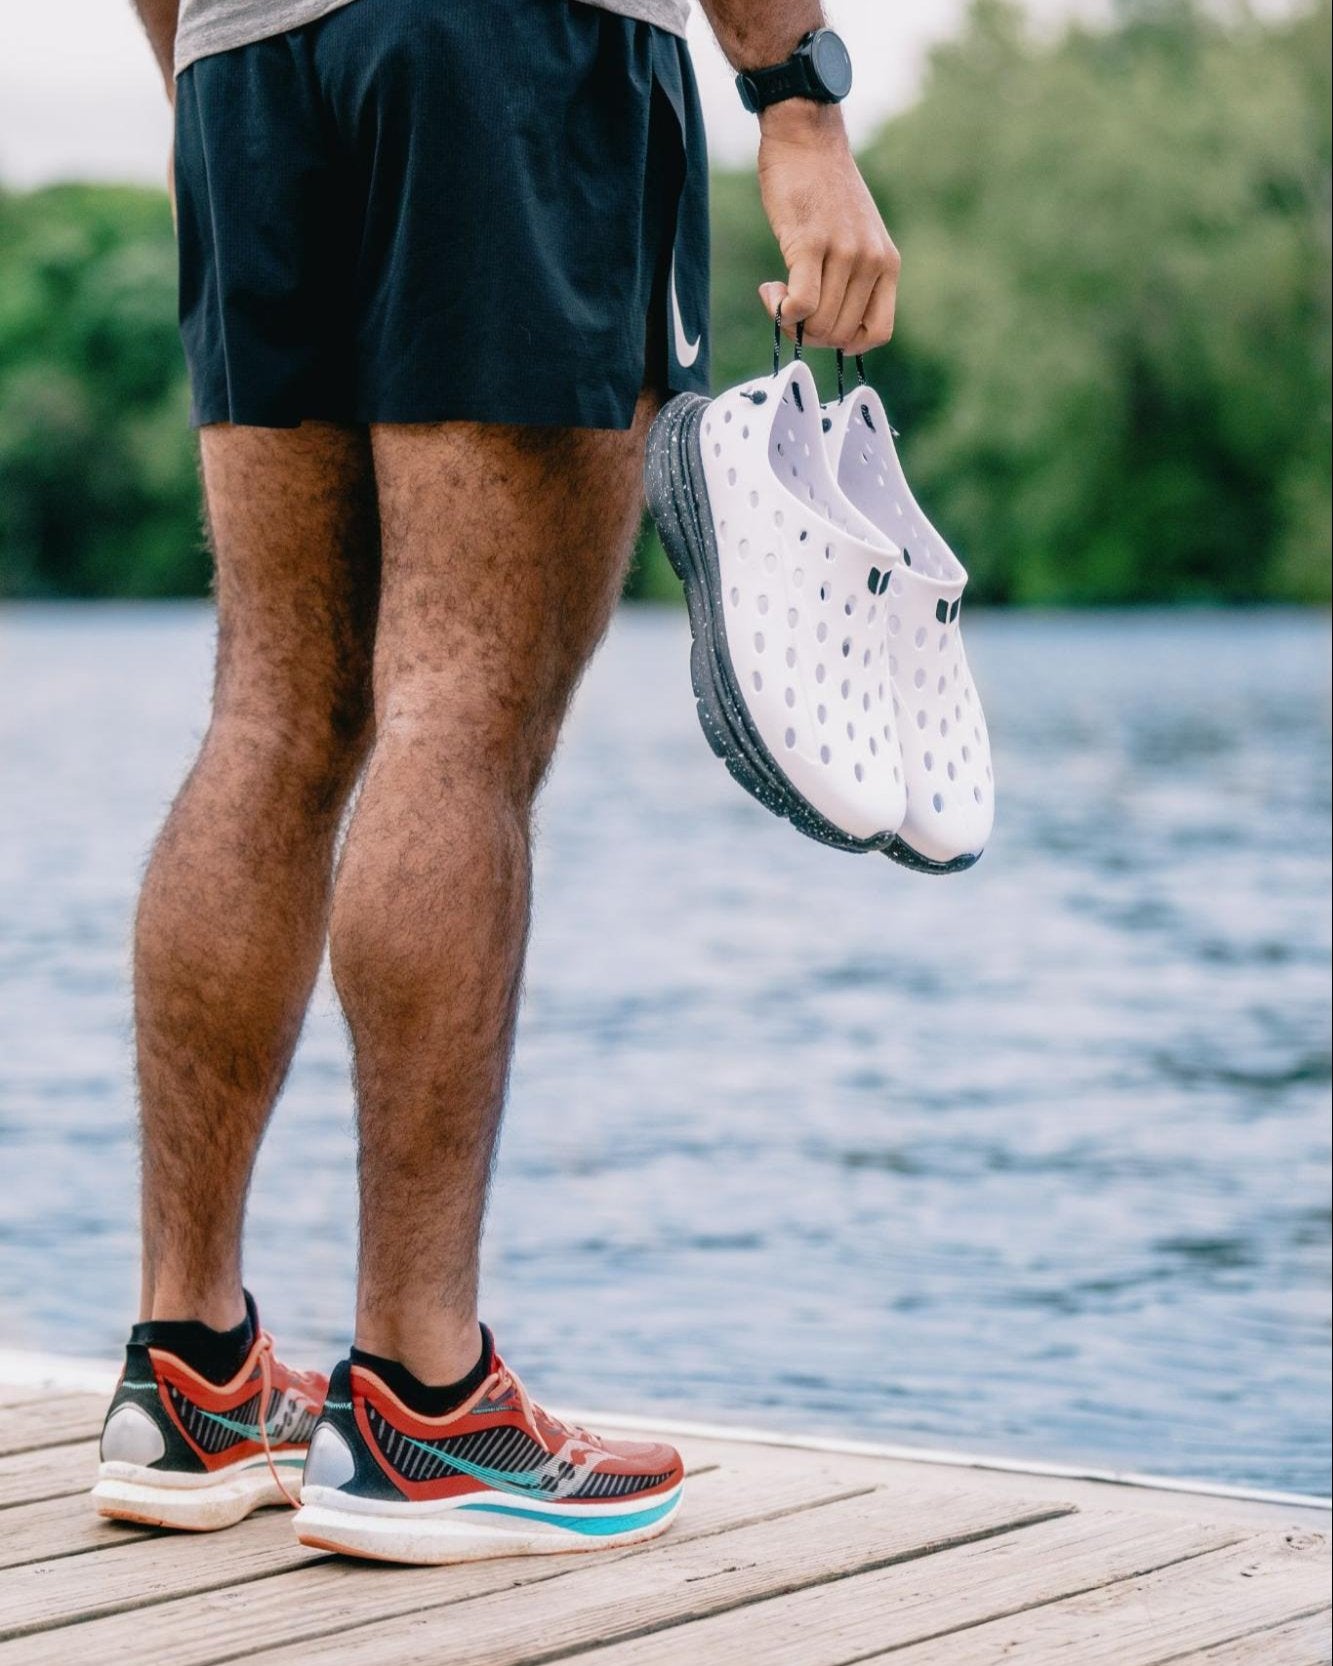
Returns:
(851,315)
(877,325)
(821,320)
(803,291)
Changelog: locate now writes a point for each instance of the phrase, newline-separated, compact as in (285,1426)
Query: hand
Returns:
(842,267)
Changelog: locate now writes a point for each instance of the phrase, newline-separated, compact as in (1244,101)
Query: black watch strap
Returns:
(793,79)
(796,77)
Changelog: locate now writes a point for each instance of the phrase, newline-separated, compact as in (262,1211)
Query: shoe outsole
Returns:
(678,499)
(436,1536)
(906,857)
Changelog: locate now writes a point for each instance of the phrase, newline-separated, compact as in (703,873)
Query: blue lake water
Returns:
(1032,1160)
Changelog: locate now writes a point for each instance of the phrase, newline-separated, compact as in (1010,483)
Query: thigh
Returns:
(295,535)
(504,552)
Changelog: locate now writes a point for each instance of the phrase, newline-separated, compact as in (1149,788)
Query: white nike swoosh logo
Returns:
(687,351)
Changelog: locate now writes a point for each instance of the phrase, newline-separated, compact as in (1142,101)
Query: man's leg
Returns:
(234,907)
(504,551)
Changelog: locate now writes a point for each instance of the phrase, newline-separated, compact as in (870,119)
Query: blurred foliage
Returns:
(98,489)
(1111,369)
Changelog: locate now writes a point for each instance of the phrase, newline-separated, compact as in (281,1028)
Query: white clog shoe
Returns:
(946,751)
(791,607)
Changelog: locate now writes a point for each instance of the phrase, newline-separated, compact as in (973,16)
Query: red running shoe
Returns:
(180,1451)
(498,1476)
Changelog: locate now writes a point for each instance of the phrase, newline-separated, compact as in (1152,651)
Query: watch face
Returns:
(831,63)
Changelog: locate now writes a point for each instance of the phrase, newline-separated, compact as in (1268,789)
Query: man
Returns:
(441,260)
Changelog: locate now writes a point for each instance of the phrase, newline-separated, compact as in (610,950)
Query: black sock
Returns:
(428,1399)
(215,1354)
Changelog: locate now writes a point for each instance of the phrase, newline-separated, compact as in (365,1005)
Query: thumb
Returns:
(772,295)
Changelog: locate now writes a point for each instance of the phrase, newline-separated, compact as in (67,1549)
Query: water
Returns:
(1032,1160)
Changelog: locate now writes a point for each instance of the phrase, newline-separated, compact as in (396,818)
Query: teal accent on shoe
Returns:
(593,1527)
(248,1431)
(509,1480)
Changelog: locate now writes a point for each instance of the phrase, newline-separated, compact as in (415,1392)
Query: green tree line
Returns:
(1111,367)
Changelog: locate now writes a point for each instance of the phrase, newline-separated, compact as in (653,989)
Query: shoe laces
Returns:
(502,1380)
(538,1415)
(266,1362)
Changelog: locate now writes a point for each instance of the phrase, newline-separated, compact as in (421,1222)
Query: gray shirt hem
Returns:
(209,26)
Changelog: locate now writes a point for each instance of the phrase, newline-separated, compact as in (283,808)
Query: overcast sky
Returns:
(79,96)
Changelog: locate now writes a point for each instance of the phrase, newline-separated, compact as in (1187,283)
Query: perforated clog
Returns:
(945,746)
(788,587)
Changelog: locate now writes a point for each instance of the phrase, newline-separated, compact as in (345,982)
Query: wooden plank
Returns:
(1153,1618)
(1304,1642)
(700,1451)
(616,1596)
(59,1527)
(55,1420)
(28,1477)
(98,1591)
(1105,1495)
(851,1618)
(49,1593)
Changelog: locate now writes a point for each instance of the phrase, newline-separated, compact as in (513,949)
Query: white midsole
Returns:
(408,1509)
(475,1525)
(199,1502)
(203,1480)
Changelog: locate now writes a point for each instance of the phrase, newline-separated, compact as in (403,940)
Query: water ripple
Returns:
(1035,1159)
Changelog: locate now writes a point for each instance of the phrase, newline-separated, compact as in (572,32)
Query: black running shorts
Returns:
(441,210)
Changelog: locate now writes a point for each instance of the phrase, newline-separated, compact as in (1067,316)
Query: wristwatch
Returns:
(820,68)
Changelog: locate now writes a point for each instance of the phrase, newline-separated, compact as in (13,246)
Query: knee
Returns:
(447,793)
(477,736)
(305,752)
(441,837)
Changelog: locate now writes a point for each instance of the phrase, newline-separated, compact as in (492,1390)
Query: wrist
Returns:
(803,121)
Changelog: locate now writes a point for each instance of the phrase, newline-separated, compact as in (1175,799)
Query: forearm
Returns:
(755,33)
(159,24)
(842,267)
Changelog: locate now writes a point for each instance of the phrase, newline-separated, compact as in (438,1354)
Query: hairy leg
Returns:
(234,907)
(504,552)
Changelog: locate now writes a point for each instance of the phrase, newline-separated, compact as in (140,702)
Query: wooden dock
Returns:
(781,1556)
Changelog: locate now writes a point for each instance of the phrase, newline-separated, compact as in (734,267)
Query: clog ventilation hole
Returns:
(805,625)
